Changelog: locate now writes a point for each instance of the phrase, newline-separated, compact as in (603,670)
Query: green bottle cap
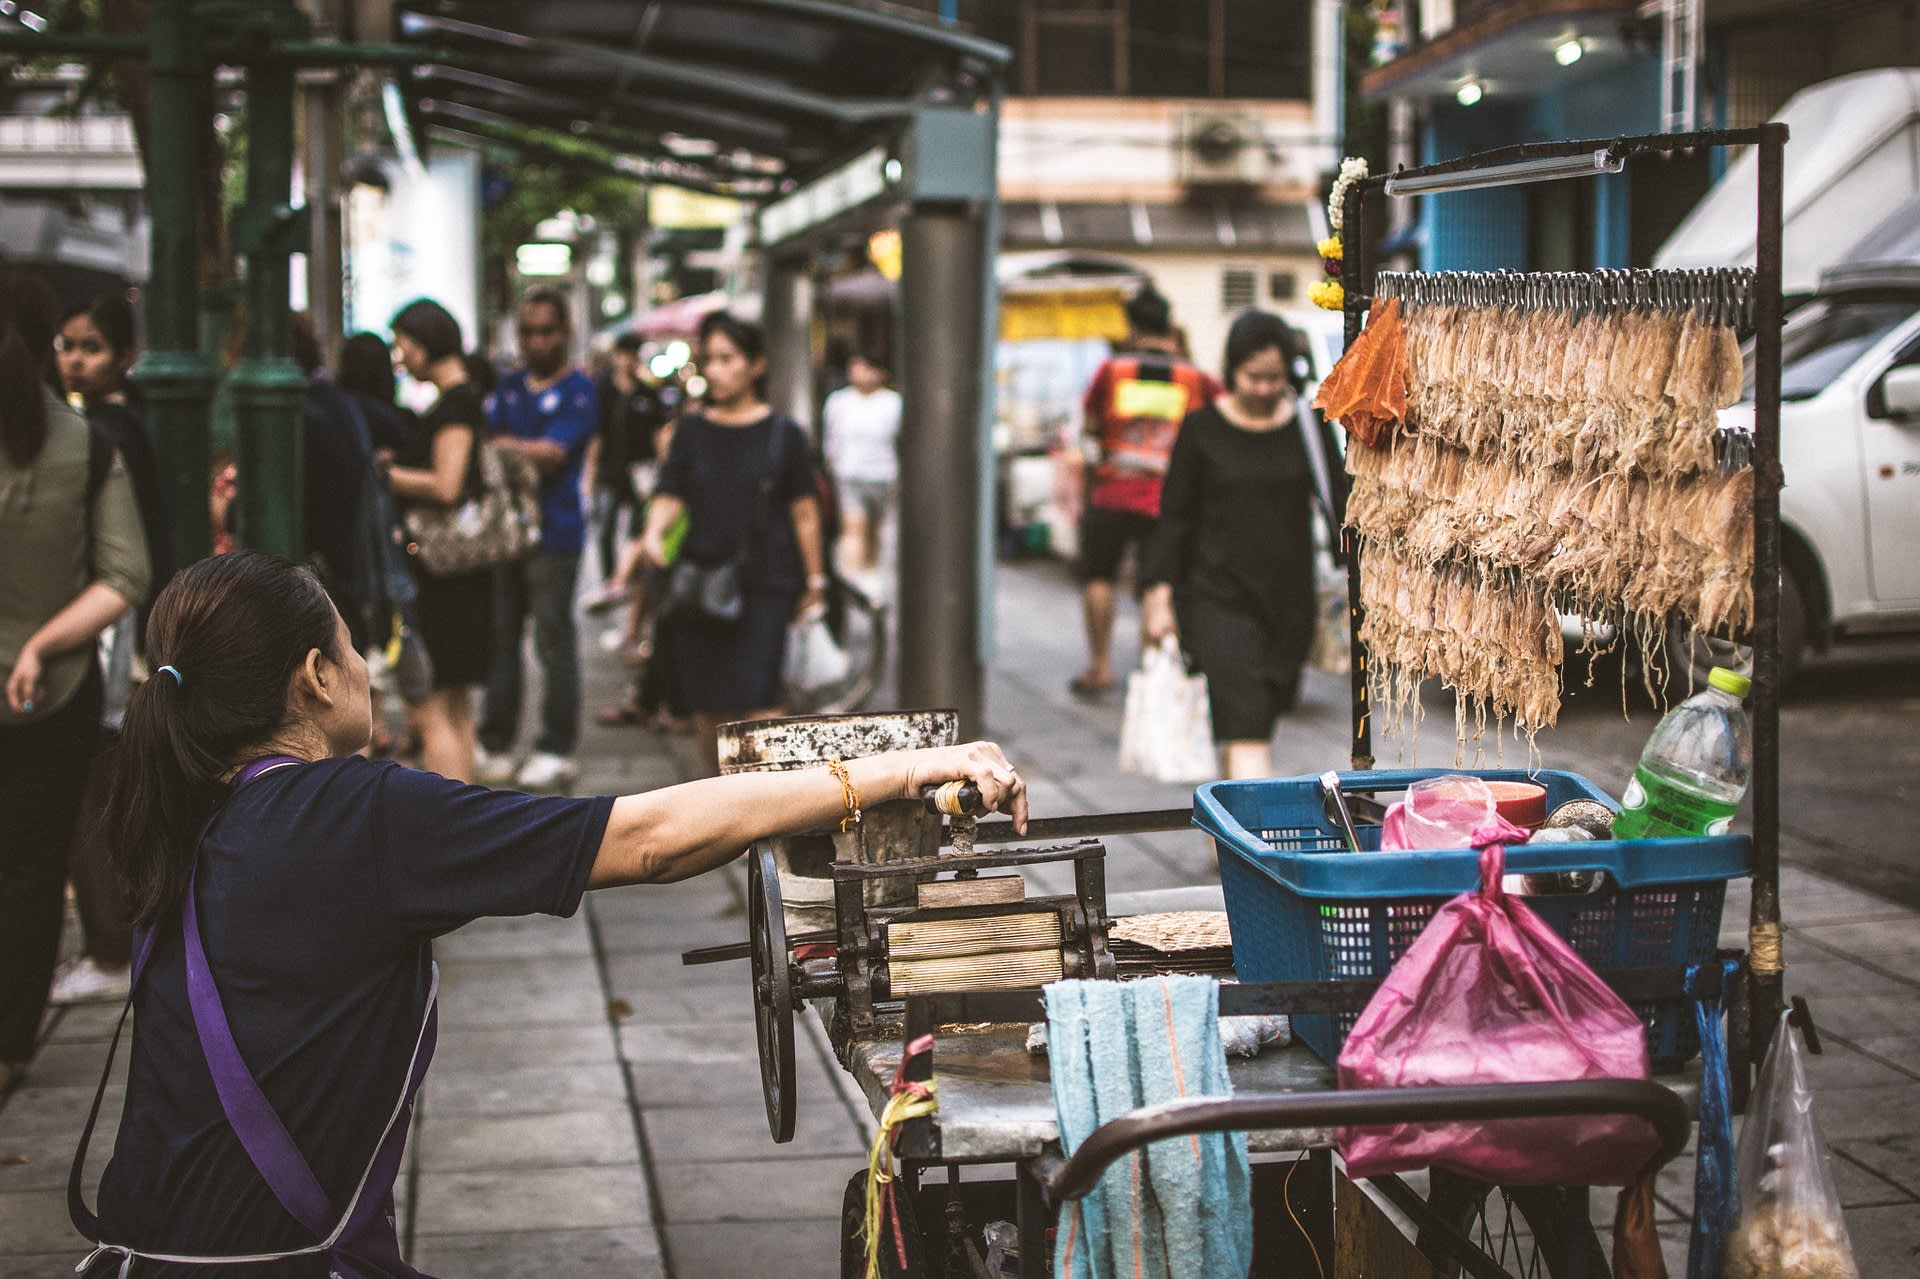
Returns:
(1729,681)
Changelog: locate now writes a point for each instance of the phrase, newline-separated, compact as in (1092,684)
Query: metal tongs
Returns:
(1336,808)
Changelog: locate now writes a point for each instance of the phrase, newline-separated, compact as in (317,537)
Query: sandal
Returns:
(625,715)
(1088,691)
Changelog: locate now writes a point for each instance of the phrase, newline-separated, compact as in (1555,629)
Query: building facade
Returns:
(1485,73)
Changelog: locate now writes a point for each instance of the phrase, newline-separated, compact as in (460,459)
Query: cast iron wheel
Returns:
(853,1233)
(772,989)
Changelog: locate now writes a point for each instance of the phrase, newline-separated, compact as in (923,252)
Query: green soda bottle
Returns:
(1695,768)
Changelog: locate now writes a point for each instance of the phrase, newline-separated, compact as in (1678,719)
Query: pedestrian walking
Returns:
(862,444)
(291,891)
(546,411)
(620,459)
(75,563)
(752,558)
(440,469)
(96,349)
(1133,409)
(1230,568)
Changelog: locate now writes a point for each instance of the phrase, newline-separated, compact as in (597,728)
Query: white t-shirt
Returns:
(861,434)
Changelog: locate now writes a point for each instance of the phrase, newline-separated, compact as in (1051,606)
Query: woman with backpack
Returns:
(455,610)
(753,557)
(75,562)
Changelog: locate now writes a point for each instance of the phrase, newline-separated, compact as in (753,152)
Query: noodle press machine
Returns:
(958,921)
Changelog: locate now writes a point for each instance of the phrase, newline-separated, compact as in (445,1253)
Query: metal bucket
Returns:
(888,831)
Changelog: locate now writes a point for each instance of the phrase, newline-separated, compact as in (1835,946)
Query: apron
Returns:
(357,1243)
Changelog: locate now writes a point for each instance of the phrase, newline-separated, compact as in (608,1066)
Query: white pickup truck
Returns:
(1850,449)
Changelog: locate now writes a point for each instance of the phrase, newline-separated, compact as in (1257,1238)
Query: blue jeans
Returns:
(540,586)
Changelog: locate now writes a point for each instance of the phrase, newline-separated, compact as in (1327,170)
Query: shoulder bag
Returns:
(718,590)
(497,522)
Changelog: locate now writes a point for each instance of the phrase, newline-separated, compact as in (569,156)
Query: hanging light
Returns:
(1469,93)
(1569,52)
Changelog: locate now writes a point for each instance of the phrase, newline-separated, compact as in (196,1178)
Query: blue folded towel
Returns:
(1181,1207)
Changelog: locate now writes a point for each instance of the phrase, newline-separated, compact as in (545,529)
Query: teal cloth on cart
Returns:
(1180,1208)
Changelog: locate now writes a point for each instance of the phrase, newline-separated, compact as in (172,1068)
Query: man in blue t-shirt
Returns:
(546,411)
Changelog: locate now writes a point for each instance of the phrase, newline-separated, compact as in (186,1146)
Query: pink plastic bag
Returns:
(1490,994)
(1439,812)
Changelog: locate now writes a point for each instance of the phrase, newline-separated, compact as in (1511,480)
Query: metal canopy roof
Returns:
(745,97)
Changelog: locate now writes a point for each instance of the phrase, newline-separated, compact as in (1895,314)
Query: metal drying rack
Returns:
(1754,296)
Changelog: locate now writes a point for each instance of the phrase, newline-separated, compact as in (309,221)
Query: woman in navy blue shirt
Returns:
(289,892)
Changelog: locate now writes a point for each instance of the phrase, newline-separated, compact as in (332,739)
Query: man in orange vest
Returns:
(1133,410)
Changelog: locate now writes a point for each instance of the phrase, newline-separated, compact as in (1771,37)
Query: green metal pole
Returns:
(268,387)
(178,380)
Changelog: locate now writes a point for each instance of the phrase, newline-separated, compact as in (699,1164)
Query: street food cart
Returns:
(924,952)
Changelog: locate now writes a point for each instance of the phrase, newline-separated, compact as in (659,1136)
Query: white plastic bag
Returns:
(814,659)
(1167,729)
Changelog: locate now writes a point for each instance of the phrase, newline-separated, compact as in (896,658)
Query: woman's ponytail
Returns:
(226,636)
(26,364)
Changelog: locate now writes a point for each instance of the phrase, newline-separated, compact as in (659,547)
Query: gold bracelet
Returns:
(848,794)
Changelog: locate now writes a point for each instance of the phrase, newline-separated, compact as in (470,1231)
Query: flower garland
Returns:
(1328,294)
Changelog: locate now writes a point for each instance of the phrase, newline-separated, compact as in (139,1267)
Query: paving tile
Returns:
(681,1084)
(57,1265)
(1822,978)
(508,1047)
(527,1090)
(644,1042)
(39,1160)
(460,1203)
(715,1003)
(631,1252)
(1886,1241)
(86,1023)
(1841,1067)
(750,1250)
(718,1133)
(637,973)
(1894,1157)
(33,1111)
(75,1064)
(1857,1018)
(566,1139)
(1849,1113)
(1893,942)
(547,992)
(522,937)
(35,1221)
(755,1190)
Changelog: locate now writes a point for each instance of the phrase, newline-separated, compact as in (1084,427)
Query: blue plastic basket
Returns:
(1304,908)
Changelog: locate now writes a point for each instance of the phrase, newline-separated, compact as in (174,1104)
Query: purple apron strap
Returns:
(265,1138)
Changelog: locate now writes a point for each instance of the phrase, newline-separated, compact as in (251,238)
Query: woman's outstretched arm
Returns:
(687,830)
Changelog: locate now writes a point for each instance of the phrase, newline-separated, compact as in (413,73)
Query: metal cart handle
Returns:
(1065,1179)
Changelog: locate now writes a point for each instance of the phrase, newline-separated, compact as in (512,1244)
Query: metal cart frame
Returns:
(1763,927)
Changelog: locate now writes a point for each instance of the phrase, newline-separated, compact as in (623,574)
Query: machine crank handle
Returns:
(954,799)
(743,949)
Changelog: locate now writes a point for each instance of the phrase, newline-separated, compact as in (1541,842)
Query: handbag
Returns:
(499,521)
(718,591)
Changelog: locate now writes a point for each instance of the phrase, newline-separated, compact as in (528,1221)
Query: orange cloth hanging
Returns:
(1366,392)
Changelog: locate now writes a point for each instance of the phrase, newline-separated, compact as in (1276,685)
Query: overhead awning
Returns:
(741,97)
(1507,47)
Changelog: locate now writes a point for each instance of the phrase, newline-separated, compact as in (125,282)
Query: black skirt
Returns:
(1252,665)
(730,668)
(456,625)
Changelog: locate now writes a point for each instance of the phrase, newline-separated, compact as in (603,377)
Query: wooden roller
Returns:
(980,935)
(1003,971)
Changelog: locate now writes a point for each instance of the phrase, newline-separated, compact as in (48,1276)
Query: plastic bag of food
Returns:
(1790,1223)
(1439,812)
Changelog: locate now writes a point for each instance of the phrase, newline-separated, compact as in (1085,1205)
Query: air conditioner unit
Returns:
(1222,148)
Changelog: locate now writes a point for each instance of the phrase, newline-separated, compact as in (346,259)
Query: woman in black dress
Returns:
(456,611)
(1230,569)
(743,475)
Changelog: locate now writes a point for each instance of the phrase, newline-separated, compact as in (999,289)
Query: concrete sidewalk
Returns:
(595,1107)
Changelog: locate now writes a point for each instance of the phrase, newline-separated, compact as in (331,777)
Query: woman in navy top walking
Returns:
(289,892)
